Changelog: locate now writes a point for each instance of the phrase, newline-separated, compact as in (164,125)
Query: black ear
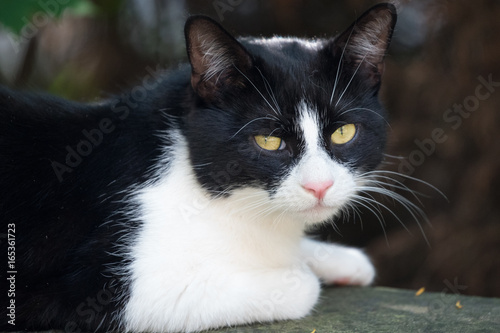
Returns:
(217,58)
(364,44)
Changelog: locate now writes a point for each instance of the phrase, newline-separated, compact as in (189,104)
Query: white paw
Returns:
(340,265)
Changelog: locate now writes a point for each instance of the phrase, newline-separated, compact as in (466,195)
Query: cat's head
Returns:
(293,123)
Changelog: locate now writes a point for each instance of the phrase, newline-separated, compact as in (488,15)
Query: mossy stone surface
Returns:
(390,310)
(378,309)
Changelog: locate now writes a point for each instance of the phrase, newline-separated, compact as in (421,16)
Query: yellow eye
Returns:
(269,142)
(344,134)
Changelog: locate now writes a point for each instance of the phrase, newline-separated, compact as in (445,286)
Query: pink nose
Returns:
(318,189)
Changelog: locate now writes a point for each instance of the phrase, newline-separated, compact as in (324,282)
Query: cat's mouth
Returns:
(319,206)
(318,212)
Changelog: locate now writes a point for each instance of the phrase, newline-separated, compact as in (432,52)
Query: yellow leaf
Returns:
(420,291)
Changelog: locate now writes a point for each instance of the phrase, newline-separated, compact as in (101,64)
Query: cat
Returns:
(183,204)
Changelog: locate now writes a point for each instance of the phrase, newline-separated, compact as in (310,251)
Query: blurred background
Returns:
(441,87)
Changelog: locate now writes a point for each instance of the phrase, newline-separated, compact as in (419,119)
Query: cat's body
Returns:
(170,208)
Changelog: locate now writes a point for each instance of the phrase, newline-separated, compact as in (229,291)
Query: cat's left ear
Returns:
(364,44)
(217,58)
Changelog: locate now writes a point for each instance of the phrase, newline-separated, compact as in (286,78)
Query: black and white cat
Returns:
(182,205)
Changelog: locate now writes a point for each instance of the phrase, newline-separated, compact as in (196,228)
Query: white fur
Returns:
(337,264)
(200,263)
(316,166)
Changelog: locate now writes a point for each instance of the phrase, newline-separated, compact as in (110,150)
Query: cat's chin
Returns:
(317,214)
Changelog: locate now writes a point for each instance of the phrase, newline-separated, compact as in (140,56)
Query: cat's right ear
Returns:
(217,58)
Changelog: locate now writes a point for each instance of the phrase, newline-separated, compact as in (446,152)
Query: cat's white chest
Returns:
(193,254)
(199,262)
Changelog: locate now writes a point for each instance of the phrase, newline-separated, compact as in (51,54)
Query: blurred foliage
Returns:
(65,85)
(15,14)
(66,47)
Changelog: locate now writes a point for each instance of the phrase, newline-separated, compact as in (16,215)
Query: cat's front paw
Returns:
(354,269)
(340,265)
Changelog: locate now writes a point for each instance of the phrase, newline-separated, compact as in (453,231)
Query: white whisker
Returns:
(248,123)
(365,109)
(334,225)
(278,220)
(384,183)
(413,209)
(375,202)
(269,90)
(350,81)
(257,89)
(339,66)
(394,157)
(399,186)
(359,200)
(198,166)
(402,175)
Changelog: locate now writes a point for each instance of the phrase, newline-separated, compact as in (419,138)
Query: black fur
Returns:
(66,168)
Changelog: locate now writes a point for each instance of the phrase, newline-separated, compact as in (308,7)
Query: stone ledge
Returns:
(390,310)
(378,309)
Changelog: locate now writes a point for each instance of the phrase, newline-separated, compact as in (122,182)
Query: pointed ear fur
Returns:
(216,57)
(366,41)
